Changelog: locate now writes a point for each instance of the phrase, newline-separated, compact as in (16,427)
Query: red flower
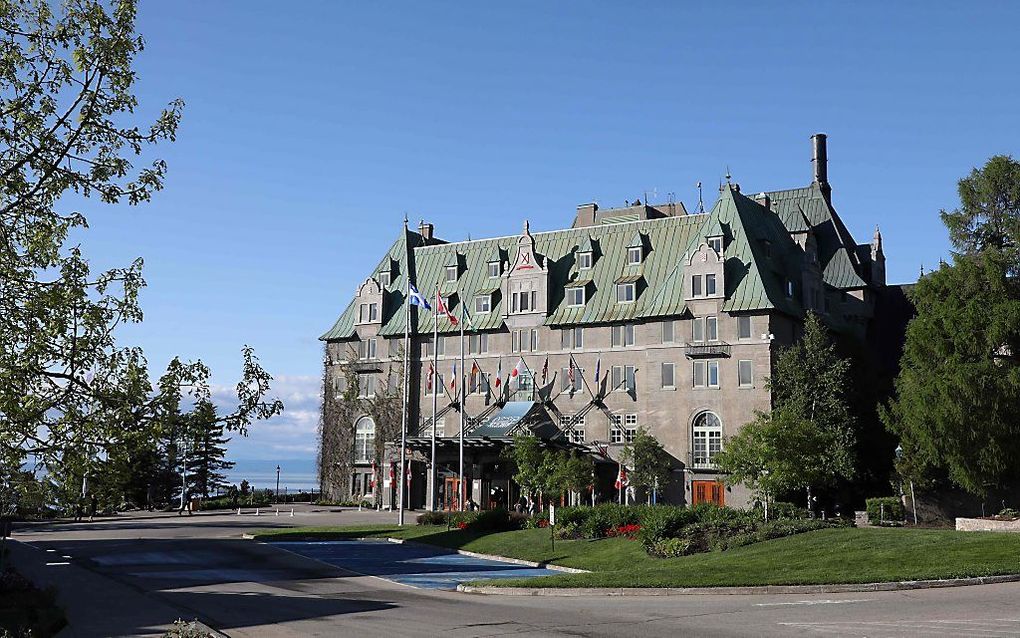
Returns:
(461,525)
(630,531)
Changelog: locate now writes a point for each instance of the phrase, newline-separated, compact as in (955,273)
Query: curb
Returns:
(752,590)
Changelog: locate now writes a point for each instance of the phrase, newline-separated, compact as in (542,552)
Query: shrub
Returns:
(432,518)
(884,510)
(1009,513)
(786,510)
(671,548)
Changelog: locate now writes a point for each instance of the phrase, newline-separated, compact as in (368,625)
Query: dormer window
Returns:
(584,260)
(626,292)
(715,243)
(385,278)
(483,304)
(710,285)
(451,274)
(523,301)
(368,313)
(633,255)
(494,269)
(575,296)
(696,289)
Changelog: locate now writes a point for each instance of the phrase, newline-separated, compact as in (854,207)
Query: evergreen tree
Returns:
(207,450)
(648,461)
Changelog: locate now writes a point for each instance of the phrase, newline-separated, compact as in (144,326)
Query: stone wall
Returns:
(986,525)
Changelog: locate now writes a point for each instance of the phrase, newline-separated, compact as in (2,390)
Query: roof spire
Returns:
(922,269)
(701,202)
(527,230)
(405,220)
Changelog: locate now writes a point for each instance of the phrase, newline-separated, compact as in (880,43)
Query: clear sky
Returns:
(312,127)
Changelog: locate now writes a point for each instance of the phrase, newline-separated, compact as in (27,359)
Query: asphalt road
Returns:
(132,576)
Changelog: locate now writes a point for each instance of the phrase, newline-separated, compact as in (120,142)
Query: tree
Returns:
(648,461)
(207,450)
(529,462)
(68,391)
(808,440)
(989,214)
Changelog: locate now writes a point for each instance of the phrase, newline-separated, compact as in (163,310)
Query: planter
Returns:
(987,525)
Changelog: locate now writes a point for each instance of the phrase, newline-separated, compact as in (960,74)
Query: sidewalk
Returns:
(95,606)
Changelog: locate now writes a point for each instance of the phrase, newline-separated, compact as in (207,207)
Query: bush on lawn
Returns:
(432,518)
(598,521)
(497,520)
(884,510)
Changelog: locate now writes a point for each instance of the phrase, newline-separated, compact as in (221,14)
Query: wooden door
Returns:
(451,493)
(708,492)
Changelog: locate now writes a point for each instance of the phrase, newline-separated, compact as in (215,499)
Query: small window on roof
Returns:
(494,269)
(584,260)
(626,293)
(385,277)
(451,273)
(575,296)
(715,243)
(634,255)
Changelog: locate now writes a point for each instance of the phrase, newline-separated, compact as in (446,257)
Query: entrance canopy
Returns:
(516,417)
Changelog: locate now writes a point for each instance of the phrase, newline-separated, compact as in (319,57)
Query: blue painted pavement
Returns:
(414,565)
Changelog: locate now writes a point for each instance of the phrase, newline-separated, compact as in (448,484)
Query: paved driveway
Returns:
(409,563)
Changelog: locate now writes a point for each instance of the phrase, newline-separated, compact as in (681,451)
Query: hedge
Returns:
(884,510)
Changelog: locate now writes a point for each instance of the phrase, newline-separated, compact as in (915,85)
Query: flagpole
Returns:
(462,408)
(403,411)
(433,473)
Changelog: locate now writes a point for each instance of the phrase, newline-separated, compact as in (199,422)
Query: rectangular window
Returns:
(451,274)
(577,435)
(483,304)
(578,383)
(698,329)
(712,328)
(626,293)
(363,313)
(713,374)
(615,435)
(385,279)
(441,346)
(478,344)
(494,269)
(715,243)
(623,378)
(629,434)
(366,386)
(515,341)
(572,338)
(743,327)
(575,296)
(789,289)
(710,285)
(744,373)
(623,336)
(584,260)
(534,300)
(696,285)
(667,331)
(437,384)
(667,376)
(699,374)
(634,255)
(479,383)
(534,339)
(367,348)
(523,301)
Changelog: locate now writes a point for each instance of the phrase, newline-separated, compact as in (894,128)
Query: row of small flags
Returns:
(517,371)
(393,474)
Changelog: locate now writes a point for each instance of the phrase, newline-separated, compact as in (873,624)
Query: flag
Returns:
(408,475)
(441,309)
(499,373)
(416,298)
(570,373)
(474,368)
(598,368)
(621,479)
(371,482)
(453,377)
(466,316)
(519,368)
(545,370)
(432,374)
(393,471)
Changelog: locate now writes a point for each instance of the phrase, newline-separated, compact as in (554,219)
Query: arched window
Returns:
(707,439)
(364,439)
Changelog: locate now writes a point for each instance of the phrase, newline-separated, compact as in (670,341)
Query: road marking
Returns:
(52,564)
(816,602)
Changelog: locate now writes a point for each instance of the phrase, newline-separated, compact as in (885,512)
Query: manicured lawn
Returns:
(845,555)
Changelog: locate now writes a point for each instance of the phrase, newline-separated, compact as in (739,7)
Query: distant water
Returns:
(295,474)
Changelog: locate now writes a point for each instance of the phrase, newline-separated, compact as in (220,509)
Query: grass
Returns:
(845,555)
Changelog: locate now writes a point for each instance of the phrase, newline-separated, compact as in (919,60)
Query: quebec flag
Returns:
(416,297)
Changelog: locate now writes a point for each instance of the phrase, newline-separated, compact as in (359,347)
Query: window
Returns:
(575,296)
(706,374)
(437,385)
(572,338)
(565,383)
(364,440)
(707,439)
(385,279)
(451,274)
(744,373)
(698,329)
(715,243)
(483,304)
(524,301)
(630,428)
(668,378)
(623,379)
(494,269)
(515,341)
(577,435)
(367,348)
(667,331)
(626,293)
(368,313)
(634,255)
(709,285)
(699,374)
(712,328)
(441,346)
(623,336)
(478,344)
(534,339)
(615,431)
(743,327)
(695,285)
(584,260)
(478,382)
(713,374)
(366,386)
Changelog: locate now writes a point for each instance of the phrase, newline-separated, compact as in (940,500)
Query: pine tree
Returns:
(207,450)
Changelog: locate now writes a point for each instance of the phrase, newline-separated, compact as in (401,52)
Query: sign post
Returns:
(552,525)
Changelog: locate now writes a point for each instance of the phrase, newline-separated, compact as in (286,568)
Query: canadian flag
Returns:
(371,482)
(621,478)
(432,374)
(441,309)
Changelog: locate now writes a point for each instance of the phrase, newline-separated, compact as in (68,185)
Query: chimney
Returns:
(426,231)
(586,215)
(763,199)
(819,158)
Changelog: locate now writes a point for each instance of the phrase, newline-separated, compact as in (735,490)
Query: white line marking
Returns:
(51,550)
(51,564)
(815,602)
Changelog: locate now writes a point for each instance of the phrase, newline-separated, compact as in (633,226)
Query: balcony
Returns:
(711,349)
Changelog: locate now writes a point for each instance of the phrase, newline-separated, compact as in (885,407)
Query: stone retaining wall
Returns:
(986,525)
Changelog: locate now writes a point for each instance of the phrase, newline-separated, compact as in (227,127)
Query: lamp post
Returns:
(276,495)
(913,503)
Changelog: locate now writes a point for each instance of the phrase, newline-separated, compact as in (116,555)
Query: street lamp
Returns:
(913,503)
(276,495)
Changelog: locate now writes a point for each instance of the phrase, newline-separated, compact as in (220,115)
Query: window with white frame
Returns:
(706,374)
(745,371)
(696,290)
(616,431)
(575,296)
(622,378)
(623,336)
(437,385)
(367,348)
(634,255)
(451,274)
(385,278)
(577,435)
(626,292)
(478,382)
(698,329)
(668,330)
(710,285)
(566,385)
(478,343)
(712,328)
(368,313)
(572,338)
(707,439)
(364,440)
(715,243)
(630,423)
(743,327)
(366,386)
(713,374)
(523,301)
(515,340)
(668,375)
(494,269)
(584,260)
(534,339)
(483,304)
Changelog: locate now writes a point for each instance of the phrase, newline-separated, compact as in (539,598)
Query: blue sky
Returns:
(311,128)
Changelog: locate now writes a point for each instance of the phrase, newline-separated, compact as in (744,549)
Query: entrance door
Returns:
(451,491)
(708,492)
